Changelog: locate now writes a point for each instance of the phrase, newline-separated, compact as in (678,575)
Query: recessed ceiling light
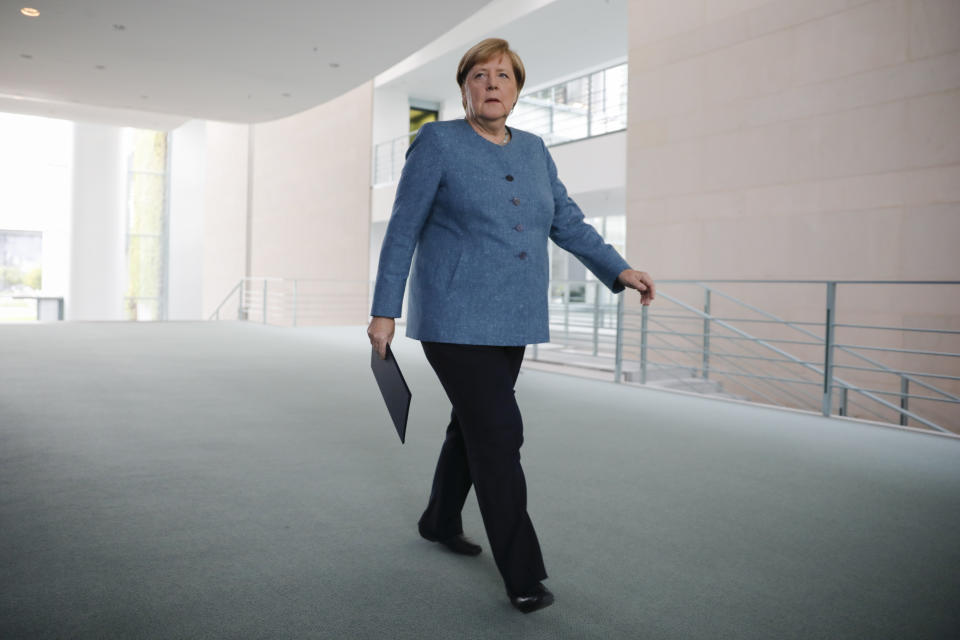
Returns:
(285,95)
(26,56)
(30,12)
(119,27)
(335,65)
(101,67)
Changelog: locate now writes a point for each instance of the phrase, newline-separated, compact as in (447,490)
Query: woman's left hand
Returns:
(641,281)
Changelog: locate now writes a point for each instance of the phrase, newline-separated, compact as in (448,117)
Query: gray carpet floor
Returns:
(229,480)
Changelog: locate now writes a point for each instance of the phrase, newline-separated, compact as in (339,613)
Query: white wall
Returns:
(291,199)
(595,164)
(381,201)
(97,280)
(452,107)
(311,204)
(185,266)
(391,114)
(795,139)
(225,210)
(791,139)
(36,173)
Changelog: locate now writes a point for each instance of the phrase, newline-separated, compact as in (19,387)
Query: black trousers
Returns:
(482,449)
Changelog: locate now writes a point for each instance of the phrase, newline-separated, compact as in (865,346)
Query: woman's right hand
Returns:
(380,333)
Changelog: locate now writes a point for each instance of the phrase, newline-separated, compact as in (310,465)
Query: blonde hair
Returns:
(486,50)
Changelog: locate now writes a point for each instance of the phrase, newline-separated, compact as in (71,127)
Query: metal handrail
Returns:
(734,355)
(750,388)
(939,376)
(788,357)
(397,151)
(289,301)
(781,340)
(826,372)
(733,334)
(763,366)
(895,350)
(216,313)
(908,329)
(848,348)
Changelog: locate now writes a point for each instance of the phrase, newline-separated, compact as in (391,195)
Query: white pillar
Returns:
(185,275)
(98,243)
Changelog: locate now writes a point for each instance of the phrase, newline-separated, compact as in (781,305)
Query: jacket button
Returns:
(515,201)
(509,178)
(522,255)
(519,227)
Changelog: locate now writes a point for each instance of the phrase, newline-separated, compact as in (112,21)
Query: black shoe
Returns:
(539,598)
(457,544)
(461,545)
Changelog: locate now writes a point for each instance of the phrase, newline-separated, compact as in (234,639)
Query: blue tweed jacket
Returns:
(479,215)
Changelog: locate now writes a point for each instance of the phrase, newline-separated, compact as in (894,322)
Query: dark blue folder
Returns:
(394,388)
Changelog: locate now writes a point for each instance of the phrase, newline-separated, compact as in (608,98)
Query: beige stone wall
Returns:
(801,139)
(311,205)
(225,212)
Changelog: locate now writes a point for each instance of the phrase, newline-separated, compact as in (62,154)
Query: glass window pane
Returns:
(146,203)
(609,100)
(144,266)
(15,310)
(142,309)
(616,233)
(149,151)
(20,262)
(419,117)
(146,223)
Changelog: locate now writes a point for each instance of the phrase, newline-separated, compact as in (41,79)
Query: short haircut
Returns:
(486,50)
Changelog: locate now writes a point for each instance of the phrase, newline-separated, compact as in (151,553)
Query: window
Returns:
(580,108)
(419,117)
(20,274)
(146,154)
(36,165)
(20,253)
(569,278)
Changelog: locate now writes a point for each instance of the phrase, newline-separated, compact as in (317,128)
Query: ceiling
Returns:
(552,39)
(156,64)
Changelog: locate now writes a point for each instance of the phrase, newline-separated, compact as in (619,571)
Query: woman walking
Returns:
(478,201)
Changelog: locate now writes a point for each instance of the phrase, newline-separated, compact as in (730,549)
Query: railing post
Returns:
(243,295)
(618,358)
(553,105)
(589,104)
(294,302)
(596,318)
(395,160)
(904,400)
(844,396)
(706,334)
(566,310)
(644,312)
(265,301)
(828,349)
